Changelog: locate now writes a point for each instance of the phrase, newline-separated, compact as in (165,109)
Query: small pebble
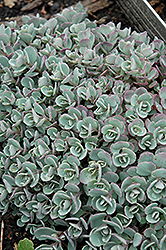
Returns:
(51,3)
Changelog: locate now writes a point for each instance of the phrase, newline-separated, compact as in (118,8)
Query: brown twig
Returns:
(2,230)
(32,5)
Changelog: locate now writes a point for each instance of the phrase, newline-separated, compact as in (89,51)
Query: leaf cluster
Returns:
(83,133)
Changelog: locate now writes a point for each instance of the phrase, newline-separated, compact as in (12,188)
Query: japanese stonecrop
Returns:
(83,133)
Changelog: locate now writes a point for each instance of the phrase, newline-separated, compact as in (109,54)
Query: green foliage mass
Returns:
(83,133)
(25,244)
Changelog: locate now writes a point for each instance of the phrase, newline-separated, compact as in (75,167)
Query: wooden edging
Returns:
(144,18)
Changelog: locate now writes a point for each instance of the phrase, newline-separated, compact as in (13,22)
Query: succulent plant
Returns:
(123,154)
(83,133)
(113,128)
(25,244)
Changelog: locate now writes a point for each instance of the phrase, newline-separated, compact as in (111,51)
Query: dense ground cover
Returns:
(153,106)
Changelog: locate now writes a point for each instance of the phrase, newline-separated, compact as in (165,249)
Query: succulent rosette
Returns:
(157,187)
(104,84)
(7,98)
(5,130)
(90,143)
(65,203)
(123,154)
(158,127)
(140,100)
(97,188)
(100,236)
(101,155)
(136,210)
(154,213)
(92,172)
(120,87)
(20,198)
(68,121)
(151,241)
(49,169)
(134,188)
(69,169)
(66,100)
(130,115)
(145,72)
(88,92)
(104,203)
(162,94)
(12,148)
(3,192)
(87,126)
(113,128)
(124,220)
(76,148)
(147,142)
(107,106)
(18,62)
(137,128)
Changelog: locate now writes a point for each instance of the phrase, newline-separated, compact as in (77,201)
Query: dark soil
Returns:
(47,8)
(13,234)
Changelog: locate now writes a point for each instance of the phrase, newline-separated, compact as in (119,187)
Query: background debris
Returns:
(9,3)
(32,5)
(95,5)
